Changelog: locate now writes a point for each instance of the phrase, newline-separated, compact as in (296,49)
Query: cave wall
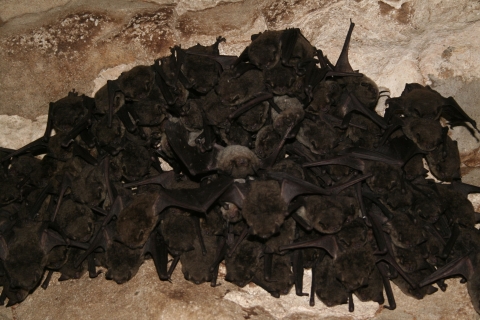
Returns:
(49,47)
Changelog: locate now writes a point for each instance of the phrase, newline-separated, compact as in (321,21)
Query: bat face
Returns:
(191,115)
(178,230)
(243,263)
(364,89)
(233,90)
(26,258)
(237,161)
(8,194)
(328,289)
(122,262)
(109,136)
(444,161)
(90,187)
(267,139)
(288,118)
(325,95)
(76,220)
(136,83)
(328,214)
(354,266)
(196,266)
(426,133)
(373,291)
(133,161)
(136,221)
(68,112)
(404,233)
(264,208)
(265,50)
(385,177)
(254,119)
(201,72)
(310,134)
(282,80)
(282,277)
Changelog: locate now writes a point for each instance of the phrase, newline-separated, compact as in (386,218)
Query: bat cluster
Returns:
(280,163)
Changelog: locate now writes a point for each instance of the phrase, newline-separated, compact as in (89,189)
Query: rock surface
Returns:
(49,47)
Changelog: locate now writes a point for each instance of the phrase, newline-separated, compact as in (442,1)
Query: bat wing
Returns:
(38,145)
(235,194)
(343,160)
(454,113)
(366,154)
(352,104)
(462,266)
(293,187)
(160,179)
(288,40)
(223,60)
(102,239)
(198,200)
(195,161)
(343,63)
(464,188)
(50,239)
(3,248)
(328,243)
(405,148)
(157,248)
(250,104)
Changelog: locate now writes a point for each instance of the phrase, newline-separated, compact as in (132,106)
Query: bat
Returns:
(412,102)
(25,251)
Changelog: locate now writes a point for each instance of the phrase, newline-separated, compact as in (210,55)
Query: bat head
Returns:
(426,133)
(137,82)
(122,262)
(264,208)
(68,112)
(237,161)
(76,220)
(265,49)
(253,119)
(25,259)
(136,221)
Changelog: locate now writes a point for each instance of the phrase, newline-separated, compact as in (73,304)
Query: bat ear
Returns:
(255,36)
(3,249)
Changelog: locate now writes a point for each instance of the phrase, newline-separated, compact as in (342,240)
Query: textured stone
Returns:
(49,47)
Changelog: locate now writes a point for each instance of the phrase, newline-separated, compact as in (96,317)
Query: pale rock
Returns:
(49,47)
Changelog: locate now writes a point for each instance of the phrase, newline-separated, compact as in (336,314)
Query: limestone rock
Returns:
(49,47)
